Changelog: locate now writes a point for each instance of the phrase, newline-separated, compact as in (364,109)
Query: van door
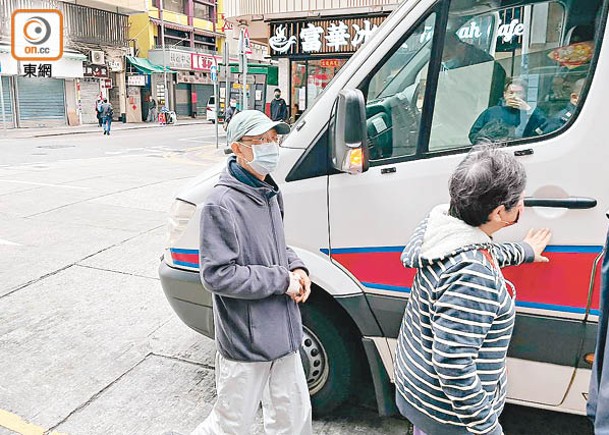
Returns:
(453,80)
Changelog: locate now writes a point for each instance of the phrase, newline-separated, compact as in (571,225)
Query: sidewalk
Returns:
(34,132)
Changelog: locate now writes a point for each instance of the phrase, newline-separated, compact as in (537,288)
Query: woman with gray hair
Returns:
(451,354)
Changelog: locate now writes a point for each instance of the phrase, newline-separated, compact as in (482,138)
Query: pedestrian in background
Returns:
(598,400)
(152,110)
(257,282)
(279,108)
(98,109)
(231,111)
(450,370)
(107,114)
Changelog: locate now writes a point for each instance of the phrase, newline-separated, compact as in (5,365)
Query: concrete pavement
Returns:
(36,132)
(89,344)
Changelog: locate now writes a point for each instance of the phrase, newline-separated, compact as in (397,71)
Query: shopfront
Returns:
(90,88)
(193,85)
(145,81)
(316,50)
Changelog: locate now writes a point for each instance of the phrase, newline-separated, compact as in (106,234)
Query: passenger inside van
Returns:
(513,115)
(459,54)
(562,118)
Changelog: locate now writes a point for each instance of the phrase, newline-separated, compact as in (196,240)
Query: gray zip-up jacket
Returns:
(245,263)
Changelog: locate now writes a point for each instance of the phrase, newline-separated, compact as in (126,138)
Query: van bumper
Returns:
(186,295)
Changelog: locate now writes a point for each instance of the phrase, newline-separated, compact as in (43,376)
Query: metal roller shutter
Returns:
(89,91)
(203,94)
(8,102)
(40,102)
(183,99)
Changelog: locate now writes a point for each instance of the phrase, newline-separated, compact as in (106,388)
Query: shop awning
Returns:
(146,67)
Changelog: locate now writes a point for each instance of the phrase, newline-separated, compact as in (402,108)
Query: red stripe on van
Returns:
(563,282)
(384,268)
(185,258)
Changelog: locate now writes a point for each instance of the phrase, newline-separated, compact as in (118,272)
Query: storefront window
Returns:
(309,79)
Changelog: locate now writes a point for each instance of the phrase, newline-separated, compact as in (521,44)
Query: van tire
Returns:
(324,328)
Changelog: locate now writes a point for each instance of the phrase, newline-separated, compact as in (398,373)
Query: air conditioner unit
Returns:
(98,57)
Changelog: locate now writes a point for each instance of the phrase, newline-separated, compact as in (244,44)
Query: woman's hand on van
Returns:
(538,240)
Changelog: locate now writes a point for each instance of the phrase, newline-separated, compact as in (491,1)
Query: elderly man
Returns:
(257,283)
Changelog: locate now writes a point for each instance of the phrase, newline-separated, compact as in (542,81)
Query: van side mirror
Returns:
(348,134)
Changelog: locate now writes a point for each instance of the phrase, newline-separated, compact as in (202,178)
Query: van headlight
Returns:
(179,215)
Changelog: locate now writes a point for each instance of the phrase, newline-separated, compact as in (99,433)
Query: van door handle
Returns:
(391,170)
(574,203)
(526,152)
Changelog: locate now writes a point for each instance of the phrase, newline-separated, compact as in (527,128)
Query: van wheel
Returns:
(329,358)
(213,122)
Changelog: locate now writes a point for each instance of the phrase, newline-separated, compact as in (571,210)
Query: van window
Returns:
(395,96)
(212,100)
(523,82)
(501,75)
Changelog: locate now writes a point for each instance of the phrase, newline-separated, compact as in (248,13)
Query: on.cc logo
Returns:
(37,34)
(37,30)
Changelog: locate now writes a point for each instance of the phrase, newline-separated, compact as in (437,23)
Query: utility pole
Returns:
(164,58)
(226,61)
(214,78)
(243,68)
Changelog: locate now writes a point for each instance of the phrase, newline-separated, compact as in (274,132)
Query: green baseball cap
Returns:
(252,123)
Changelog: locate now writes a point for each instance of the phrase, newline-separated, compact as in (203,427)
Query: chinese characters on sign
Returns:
(201,62)
(329,63)
(310,39)
(37,70)
(337,35)
(90,70)
(322,36)
(179,59)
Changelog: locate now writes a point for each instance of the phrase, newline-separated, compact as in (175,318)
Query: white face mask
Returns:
(266,157)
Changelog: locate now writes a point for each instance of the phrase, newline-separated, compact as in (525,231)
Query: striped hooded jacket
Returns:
(450,366)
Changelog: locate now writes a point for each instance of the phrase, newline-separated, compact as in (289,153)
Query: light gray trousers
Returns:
(280,385)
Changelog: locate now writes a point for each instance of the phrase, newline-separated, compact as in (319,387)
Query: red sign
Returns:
(106,83)
(201,62)
(329,63)
(204,62)
(227,25)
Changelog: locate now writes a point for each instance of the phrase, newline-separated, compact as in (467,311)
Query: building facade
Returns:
(63,92)
(181,72)
(310,40)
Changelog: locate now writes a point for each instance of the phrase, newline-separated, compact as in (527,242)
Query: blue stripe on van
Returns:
(386,287)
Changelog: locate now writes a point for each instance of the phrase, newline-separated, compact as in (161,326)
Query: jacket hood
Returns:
(259,194)
(439,236)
